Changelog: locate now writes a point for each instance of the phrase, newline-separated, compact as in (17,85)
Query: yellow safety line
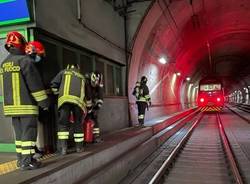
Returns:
(11,165)
(8,167)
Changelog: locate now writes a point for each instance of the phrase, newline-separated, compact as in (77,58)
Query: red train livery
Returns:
(210,94)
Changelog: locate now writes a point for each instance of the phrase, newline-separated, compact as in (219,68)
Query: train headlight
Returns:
(218,99)
(201,99)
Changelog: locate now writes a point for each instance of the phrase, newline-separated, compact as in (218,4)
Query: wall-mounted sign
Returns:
(13,11)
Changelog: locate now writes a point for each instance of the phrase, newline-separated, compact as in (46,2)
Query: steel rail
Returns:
(229,153)
(158,175)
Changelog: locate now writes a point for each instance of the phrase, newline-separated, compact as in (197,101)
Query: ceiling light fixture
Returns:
(162,60)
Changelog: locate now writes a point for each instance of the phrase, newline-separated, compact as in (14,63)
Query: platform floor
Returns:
(94,155)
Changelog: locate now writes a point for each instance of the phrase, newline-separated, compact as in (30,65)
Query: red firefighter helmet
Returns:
(35,47)
(15,39)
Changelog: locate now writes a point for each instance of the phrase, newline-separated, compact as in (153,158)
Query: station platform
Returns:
(105,162)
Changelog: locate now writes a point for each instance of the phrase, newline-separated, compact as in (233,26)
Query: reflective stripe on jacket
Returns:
(142,93)
(69,84)
(21,86)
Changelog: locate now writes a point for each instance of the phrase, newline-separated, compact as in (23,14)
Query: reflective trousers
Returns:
(141,111)
(26,134)
(93,116)
(63,124)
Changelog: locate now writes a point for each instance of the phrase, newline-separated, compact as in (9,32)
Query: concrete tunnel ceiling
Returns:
(184,31)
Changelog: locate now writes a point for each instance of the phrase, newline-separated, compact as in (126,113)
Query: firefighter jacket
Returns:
(69,85)
(141,92)
(21,85)
(94,95)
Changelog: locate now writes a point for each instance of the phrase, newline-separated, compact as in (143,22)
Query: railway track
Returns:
(202,156)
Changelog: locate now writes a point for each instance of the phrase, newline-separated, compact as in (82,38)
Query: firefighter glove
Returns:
(98,106)
(150,103)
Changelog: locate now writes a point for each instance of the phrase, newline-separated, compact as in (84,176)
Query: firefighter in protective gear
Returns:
(69,85)
(94,100)
(23,92)
(141,92)
(36,51)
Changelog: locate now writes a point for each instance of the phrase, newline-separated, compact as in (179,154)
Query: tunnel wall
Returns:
(157,35)
(60,18)
(114,114)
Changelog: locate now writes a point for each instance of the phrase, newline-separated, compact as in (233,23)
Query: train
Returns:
(210,94)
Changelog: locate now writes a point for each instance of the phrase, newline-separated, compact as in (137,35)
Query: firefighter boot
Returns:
(39,154)
(141,122)
(19,160)
(64,147)
(98,139)
(29,163)
(79,147)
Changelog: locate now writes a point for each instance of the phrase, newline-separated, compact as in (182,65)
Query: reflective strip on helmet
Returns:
(100,101)
(40,95)
(16,88)
(15,39)
(93,77)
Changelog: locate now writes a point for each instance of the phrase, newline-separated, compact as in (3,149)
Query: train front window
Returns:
(210,87)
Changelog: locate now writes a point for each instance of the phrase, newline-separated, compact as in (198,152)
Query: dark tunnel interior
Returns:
(195,38)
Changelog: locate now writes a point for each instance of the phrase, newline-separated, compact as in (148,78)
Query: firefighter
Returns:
(36,51)
(69,85)
(23,92)
(94,100)
(143,99)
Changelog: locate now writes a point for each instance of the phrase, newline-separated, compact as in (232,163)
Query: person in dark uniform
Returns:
(36,51)
(94,100)
(141,92)
(23,92)
(69,84)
